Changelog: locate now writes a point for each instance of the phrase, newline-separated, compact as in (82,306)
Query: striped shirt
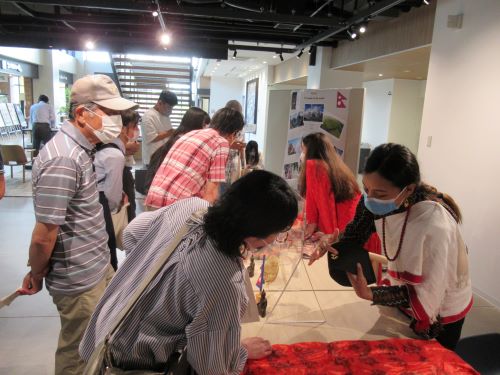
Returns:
(65,194)
(109,163)
(197,157)
(196,300)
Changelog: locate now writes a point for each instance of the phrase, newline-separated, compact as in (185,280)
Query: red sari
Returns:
(323,210)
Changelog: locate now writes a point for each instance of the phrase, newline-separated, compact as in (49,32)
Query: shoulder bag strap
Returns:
(162,260)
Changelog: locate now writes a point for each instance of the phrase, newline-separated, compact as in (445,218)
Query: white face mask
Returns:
(111,127)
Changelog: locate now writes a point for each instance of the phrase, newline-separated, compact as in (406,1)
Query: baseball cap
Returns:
(349,255)
(101,90)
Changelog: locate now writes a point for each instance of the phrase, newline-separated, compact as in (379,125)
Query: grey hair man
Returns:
(69,242)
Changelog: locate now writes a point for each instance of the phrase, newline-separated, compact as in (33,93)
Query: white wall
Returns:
(321,76)
(406,114)
(377,111)
(29,55)
(291,69)
(265,75)
(222,90)
(277,130)
(461,114)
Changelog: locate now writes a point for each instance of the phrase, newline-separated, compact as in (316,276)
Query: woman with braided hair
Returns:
(427,272)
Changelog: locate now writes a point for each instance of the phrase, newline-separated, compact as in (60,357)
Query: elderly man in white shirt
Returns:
(42,118)
(155,125)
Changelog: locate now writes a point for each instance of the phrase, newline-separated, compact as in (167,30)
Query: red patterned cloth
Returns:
(383,357)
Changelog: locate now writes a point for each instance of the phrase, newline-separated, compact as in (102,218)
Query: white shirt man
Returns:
(155,125)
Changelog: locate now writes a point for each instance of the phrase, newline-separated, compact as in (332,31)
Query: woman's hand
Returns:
(324,246)
(257,347)
(359,284)
(310,229)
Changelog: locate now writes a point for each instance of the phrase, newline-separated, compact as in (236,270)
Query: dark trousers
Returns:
(41,135)
(110,229)
(450,334)
(129,189)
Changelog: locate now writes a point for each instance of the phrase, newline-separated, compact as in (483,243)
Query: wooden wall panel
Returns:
(410,30)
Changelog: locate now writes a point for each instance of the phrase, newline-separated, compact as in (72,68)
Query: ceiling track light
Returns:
(427,2)
(234,54)
(310,50)
(352,34)
(362,28)
(300,53)
(281,57)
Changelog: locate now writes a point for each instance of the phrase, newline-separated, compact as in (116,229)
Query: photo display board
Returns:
(312,111)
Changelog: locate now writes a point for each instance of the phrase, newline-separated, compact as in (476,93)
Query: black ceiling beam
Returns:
(144,46)
(361,16)
(241,47)
(222,13)
(176,25)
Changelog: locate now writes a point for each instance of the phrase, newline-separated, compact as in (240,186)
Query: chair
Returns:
(482,352)
(13,156)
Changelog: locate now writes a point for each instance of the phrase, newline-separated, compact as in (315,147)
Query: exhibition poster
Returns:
(311,111)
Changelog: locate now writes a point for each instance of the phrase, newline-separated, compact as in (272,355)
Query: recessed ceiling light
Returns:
(380,75)
(275,56)
(89,44)
(165,39)
(264,62)
(155,14)
(407,71)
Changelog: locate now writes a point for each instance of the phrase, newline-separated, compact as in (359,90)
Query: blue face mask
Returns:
(381,206)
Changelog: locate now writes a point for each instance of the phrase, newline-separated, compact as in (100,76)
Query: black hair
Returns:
(256,205)
(252,153)
(227,121)
(168,97)
(130,117)
(194,119)
(342,180)
(234,104)
(398,165)
(43,98)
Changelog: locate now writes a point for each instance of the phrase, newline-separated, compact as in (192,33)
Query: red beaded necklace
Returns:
(400,238)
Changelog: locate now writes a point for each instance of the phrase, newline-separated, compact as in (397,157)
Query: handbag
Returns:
(100,362)
(120,222)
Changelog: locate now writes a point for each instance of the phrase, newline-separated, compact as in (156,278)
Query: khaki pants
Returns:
(75,312)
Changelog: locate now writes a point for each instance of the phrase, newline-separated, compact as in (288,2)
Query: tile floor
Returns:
(313,308)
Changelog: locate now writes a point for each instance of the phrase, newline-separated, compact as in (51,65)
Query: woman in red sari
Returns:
(330,189)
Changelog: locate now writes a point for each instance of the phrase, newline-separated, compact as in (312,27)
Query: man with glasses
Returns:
(195,165)
(69,242)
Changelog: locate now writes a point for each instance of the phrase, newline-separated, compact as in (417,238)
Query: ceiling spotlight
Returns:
(310,50)
(155,14)
(234,54)
(281,57)
(300,53)
(427,2)
(264,62)
(362,28)
(165,38)
(352,34)
(380,75)
(89,44)
(275,56)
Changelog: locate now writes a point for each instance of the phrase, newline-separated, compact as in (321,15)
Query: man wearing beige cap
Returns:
(69,242)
